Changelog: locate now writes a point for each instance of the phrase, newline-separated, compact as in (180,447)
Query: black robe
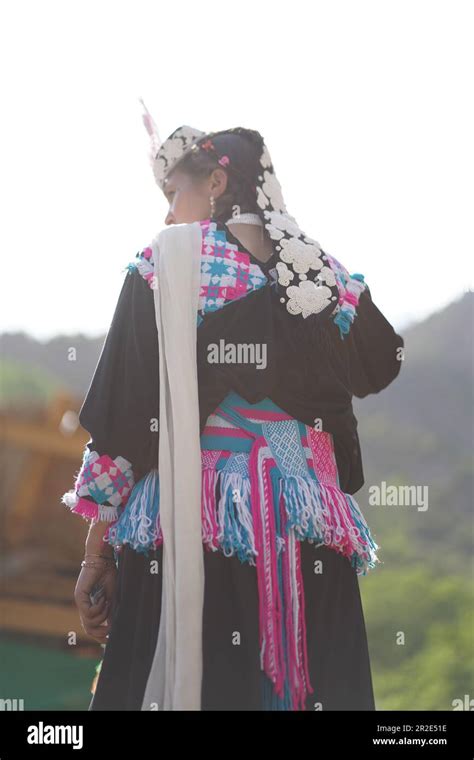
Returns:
(311,373)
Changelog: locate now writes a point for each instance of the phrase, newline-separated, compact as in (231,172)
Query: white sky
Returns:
(366,108)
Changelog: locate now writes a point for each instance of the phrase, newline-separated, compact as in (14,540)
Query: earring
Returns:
(213,205)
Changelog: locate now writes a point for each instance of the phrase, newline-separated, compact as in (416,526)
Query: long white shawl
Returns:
(174,681)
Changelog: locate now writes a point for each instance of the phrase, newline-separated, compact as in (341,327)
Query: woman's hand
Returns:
(94,615)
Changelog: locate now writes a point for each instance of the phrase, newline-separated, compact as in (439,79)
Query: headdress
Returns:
(307,283)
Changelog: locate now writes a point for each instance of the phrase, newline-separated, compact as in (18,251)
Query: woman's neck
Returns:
(255,239)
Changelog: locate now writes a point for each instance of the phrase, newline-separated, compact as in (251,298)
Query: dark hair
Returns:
(240,190)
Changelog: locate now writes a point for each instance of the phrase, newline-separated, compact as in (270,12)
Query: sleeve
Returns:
(121,407)
(375,350)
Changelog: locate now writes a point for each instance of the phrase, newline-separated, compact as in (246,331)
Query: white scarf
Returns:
(175,678)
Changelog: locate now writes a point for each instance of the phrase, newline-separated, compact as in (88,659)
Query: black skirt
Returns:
(338,656)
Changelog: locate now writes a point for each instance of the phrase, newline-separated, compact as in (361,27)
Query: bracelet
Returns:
(87,563)
(84,563)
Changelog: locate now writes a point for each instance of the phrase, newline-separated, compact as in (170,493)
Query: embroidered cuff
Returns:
(102,487)
(350,289)
(346,312)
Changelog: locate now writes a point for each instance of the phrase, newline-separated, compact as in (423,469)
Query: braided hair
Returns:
(243,147)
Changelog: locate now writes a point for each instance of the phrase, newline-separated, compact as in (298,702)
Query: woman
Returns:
(224,542)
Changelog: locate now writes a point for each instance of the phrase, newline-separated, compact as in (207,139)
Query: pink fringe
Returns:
(299,678)
(88,509)
(210,527)
(272,656)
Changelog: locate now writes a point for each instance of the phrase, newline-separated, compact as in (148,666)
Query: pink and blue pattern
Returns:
(102,486)
(227,273)
(350,289)
(268,483)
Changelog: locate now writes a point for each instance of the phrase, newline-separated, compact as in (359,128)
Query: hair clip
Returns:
(224,160)
(207,145)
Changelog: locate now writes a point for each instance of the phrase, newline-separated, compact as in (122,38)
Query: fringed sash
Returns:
(268,482)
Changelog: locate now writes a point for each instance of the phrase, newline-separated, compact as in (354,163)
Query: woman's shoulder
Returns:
(227,270)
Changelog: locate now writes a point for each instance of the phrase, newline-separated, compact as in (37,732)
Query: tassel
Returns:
(208,508)
(322,512)
(355,285)
(134,527)
(297,682)
(209,460)
(236,533)
(272,659)
(88,509)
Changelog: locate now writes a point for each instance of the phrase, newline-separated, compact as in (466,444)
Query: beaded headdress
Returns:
(307,279)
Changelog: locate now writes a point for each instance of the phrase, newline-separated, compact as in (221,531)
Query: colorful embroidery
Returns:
(350,289)
(268,482)
(227,273)
(144,263)
(101,487)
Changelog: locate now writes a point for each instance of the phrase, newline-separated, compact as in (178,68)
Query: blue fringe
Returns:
(343,321)
(236,539)
(345,316)
(295,501)
(270,700)
(144,499)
